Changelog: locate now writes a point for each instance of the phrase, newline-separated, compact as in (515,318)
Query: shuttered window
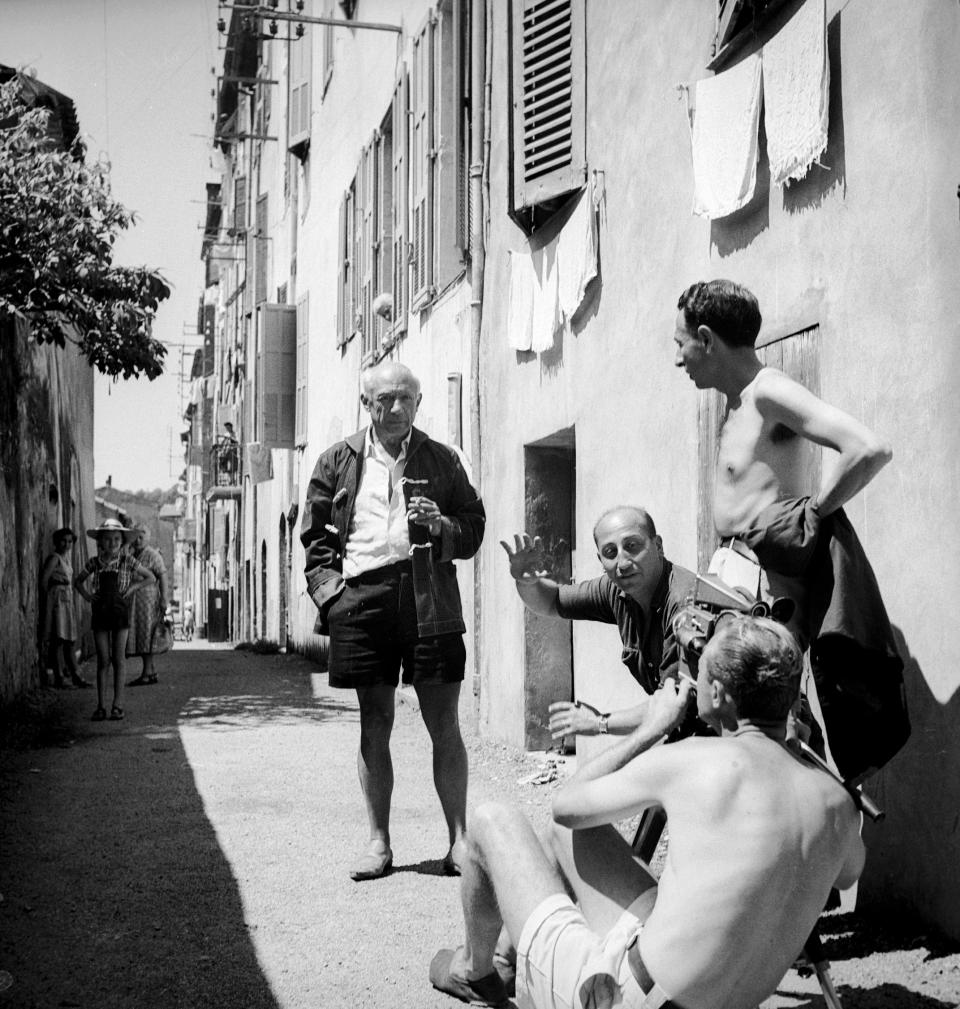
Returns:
(300,76)
(276,379)
(303,361)
(366,239)
(345,286)
(262,245)
(239,204)
(548,91)
(422,154)
(400,155)
(326,71)
(383,242)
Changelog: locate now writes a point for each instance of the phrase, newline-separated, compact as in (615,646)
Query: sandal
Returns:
(100,715)
(143,681)
(116,714)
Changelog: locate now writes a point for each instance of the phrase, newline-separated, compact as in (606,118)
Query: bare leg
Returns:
(374,763)
(506,875)
(56,650)
(148,671)
(439,707)
(119,644)
(102,642)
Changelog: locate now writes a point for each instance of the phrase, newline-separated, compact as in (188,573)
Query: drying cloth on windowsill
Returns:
(796,86)
(577,256)
(546,308)
(724,139)
(259,462)
(520,294)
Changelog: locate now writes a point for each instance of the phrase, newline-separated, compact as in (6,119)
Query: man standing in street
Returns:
(387,512)
(640,591)
(797,538)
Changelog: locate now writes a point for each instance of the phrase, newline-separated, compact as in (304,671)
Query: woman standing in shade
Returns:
(148,609)
(115,577)
(60,615)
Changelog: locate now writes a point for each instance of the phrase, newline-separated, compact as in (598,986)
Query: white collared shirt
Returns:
(378,533)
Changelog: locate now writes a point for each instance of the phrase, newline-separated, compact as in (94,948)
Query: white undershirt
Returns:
(378,533)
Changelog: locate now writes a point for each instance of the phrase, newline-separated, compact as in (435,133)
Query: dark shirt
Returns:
(650,648)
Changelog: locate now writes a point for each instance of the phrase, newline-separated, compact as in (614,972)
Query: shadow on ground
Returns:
(115,892)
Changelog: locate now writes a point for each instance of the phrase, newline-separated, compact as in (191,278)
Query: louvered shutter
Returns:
(345,280)
(261,250)
(549,78)
(276,380)
(422,154)
(401,146)
(366,238)
(301,81)
(383,246)
(239,204)
(303,362)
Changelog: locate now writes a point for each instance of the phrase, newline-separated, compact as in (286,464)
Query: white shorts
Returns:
(558,951)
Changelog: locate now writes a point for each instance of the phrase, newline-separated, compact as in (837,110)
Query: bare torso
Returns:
(756,842)
(759,462)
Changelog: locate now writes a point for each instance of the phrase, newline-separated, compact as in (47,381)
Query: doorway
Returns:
(550,513)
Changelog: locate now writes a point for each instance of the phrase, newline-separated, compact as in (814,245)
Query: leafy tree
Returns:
(58,225)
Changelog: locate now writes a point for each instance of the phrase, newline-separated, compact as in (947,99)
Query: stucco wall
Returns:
(46,455)
(866,248)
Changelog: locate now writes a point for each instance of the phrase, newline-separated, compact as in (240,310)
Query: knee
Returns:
(488,820)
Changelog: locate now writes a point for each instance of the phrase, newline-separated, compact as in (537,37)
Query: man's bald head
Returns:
(391,373)
(391,393)
(641,515)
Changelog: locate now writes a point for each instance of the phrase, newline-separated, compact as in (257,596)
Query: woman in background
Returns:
(60,615)
(148,609)
(115,577)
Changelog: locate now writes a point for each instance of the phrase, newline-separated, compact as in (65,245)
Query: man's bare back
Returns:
(760,459)
(757,839)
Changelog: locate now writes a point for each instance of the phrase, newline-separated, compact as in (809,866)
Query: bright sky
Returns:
(139,74)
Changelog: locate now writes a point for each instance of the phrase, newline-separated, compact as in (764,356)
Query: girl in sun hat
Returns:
(115,576)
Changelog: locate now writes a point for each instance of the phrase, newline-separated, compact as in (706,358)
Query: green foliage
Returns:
(58,225)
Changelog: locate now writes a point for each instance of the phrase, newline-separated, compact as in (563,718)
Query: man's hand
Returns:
(568,719)
(668,705)
(528,561)
(424,512)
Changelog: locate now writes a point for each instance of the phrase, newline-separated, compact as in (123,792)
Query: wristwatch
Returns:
(602,721)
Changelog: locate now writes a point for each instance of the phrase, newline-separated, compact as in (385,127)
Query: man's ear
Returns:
(707,337)
(419,397)
(659,541)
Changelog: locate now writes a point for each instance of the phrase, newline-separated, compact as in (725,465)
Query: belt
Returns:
(737,545)
(377,576)
(642,976)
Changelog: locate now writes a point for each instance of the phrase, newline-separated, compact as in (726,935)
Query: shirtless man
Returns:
(760,460)
(757,839)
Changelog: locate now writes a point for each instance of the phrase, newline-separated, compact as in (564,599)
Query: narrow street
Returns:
(195,855)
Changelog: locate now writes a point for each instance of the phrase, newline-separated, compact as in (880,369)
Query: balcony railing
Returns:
(225,460)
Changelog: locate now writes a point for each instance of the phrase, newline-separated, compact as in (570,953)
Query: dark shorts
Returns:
(111,614)
(373,633)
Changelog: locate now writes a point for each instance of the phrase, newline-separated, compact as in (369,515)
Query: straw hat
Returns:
(114,526)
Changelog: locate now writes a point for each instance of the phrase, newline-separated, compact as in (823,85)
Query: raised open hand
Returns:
(528,559)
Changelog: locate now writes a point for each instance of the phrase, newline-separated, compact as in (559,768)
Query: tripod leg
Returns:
(817,957)
(652,822)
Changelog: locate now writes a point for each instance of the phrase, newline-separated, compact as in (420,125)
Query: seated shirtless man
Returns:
(770,421)
(757,839)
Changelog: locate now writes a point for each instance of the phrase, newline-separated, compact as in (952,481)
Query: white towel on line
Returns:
(523,284)
(546,315)
(576,256)
(724,139)
(796,84)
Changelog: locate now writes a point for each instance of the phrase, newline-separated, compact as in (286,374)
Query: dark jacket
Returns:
(855,662)
(328,510)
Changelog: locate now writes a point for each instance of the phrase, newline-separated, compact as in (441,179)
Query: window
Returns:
(276,378)
(239,204)
(300,81)
(345,286)
(383,224)
(328,52)
(303,359)
(741,23)
(364,257)
(262,241)
(548,92)
(398,209)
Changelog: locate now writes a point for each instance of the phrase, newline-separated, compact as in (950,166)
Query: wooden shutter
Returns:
(449,166)
(798,357)
(345,288)
(300,83)
(383,245)
(366,238)
(239,204)
(422,153)
(303,363)
(328,52)
(276,381)
(549,89)
(262,245)
(401,161)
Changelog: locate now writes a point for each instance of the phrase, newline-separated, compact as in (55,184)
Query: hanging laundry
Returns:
(576,256)
(796,84)
(259,462)
(724,139)
(546,309)
(522,287)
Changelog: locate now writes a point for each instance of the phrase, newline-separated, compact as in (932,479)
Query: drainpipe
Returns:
(477,101)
